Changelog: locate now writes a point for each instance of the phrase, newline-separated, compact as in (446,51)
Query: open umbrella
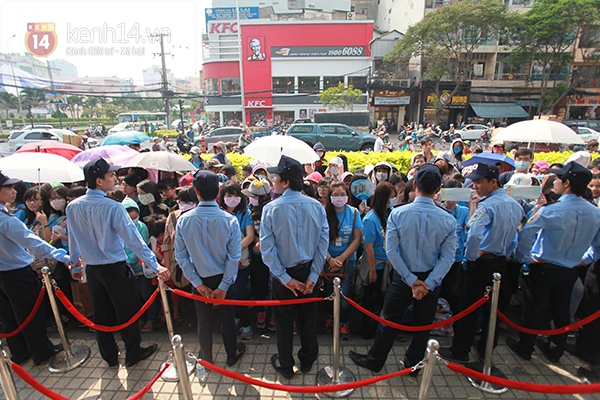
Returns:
(114,155)
(161,161)
(539,131)
(65,150)
(125,138)
(269,149)
(40,167)
(489,158)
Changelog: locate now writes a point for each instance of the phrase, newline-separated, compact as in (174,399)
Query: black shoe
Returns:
(479,355)
(57,349)
(241,347)
(20,359)
(286,373)
(361,359)
(447,354)
(585,357)
(515,346)
(545,348)
(305,369)
(144,353)
(589,376)
(405,364)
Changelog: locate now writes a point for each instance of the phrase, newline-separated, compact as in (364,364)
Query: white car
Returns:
(472,131)
(587,134)
(123,126)
(20,138)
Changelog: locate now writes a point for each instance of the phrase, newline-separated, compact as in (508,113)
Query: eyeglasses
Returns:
(31,200)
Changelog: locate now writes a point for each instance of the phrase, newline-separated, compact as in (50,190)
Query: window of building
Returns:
(212,86)
(230,86)
(308,84)
(358,82)
(332,81)
(283,117)
(283,84)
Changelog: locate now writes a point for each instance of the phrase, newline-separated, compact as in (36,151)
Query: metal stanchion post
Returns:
(8,384)
(334,374)
(72,356)
(486,367)
(170,374)
(184,382)
(432,349)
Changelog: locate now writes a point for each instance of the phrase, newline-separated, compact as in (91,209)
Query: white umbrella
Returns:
(539,131)
(41,167)
(161,161)
(269,149)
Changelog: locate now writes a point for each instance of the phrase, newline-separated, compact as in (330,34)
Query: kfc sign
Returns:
(259,103)
(219,27)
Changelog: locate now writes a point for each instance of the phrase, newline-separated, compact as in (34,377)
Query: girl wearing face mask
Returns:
(457,148)
(345,235)
(232,200)
(149,199)
(335,168)
(381,172)
(58,204)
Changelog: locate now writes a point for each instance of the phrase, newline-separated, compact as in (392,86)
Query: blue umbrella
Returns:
(125,138)
(489,158)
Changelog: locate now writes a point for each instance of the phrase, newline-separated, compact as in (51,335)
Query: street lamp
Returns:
(12,68)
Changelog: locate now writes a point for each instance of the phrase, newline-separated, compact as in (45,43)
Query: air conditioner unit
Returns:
(404,83)
(351,16)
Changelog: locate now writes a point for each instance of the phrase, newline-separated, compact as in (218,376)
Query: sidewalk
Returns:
(95,380)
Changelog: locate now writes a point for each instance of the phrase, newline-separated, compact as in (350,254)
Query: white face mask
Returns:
(381,176)
(58,204)
(334,170)
(392,202)
(232,201)
(146,198)
(184,206)
(254,201)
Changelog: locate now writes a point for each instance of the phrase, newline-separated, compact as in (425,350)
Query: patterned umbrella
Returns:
(40,167)
(65,150)
(161,161)
(125,138)
(114,155)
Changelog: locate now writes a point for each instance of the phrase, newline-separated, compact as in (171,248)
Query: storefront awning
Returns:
(499,110)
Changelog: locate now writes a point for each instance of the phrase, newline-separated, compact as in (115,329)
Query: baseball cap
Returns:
(288,166)
(429,177)
(195,150)
(206,180)
(97,168)
(186,181)
(132,179)
(482,170)
(258,188)
(314,177)
(520,180)
(214,163)
(6,181)
(576,173)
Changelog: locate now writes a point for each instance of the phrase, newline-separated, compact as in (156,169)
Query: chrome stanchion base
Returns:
(486,386)
(588,375)
(171,374)
(325,378)
(59,364)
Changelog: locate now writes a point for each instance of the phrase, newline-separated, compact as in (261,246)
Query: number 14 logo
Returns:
(42,42)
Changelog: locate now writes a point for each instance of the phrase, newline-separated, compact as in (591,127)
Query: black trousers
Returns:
(306,316)
(472,282)
(397,299)
(547,297)
(116,299)
(19,289)
(205,312)
(372,301)
(588,339)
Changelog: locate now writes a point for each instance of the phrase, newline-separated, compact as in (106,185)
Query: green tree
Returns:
(340,97)
(446,40)
(33,97)
(8,101)
(546,37)
(74,103)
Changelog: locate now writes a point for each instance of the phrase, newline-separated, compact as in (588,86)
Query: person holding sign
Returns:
(418,269)
(492,237)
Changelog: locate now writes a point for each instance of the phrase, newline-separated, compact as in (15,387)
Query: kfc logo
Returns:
(256,47)
(256,103)
(223,27)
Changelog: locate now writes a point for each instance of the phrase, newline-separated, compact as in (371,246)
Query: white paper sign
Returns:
(523,192)
(456,194)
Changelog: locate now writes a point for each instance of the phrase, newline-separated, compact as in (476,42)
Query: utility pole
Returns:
(242,95)
(165,79)
(52,88)
(181,123)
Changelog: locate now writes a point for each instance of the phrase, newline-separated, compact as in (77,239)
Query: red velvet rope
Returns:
(103,328)
(247,303)
(406,328)
(526,386)
(302,389)
(31,381)
(549,332)
(36,307)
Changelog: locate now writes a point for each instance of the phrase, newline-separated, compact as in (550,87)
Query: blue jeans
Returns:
(345,287)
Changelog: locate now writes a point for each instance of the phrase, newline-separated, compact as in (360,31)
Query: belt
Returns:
(489,256)
(306,264)
(547,265)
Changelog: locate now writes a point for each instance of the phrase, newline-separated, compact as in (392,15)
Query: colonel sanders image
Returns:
(255,45)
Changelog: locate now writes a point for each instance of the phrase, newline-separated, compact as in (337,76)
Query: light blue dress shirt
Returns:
(98,229)
(421,237)
(561,233)
(15,238)
(208,242)
(493,226)
(294,230)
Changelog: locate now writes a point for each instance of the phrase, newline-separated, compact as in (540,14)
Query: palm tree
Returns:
(33,97)
(74,103)
(90,102)
(8,101)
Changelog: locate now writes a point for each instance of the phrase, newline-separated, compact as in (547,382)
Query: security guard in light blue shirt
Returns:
(491,239)
(294,237)
(553,242)
(19,284)
(421,245)
(208,243)
(97,226)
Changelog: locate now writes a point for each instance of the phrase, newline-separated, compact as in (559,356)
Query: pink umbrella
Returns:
(65,150)
(114,155)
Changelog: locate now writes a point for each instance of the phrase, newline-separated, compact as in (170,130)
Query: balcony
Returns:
(395,84)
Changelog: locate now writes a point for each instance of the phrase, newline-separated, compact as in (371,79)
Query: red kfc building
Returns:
(285,65)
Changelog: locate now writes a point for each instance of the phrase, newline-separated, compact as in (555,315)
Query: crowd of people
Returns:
(283,232)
